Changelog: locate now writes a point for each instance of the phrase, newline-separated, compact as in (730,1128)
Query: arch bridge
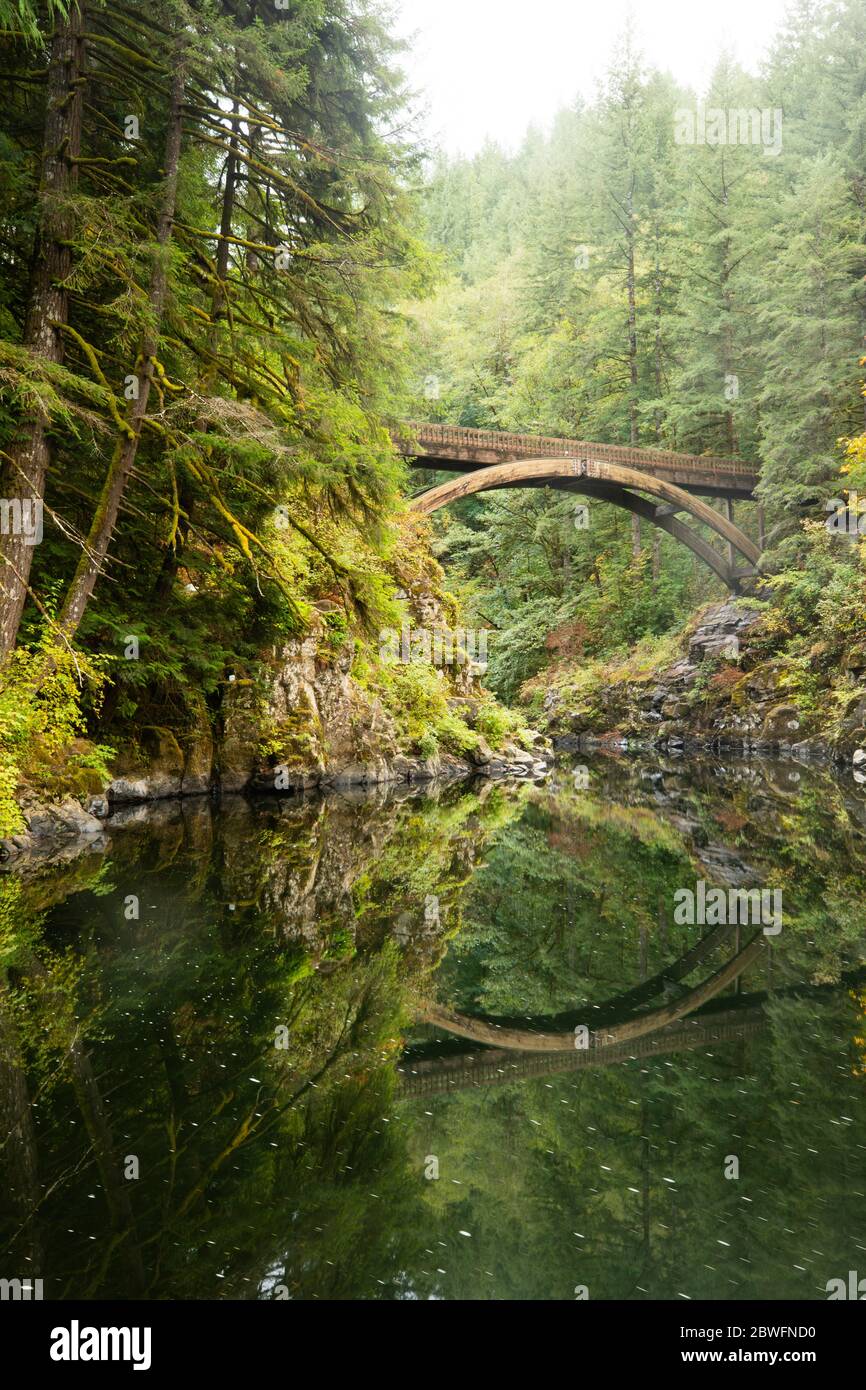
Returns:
(697,1019)
(663,488)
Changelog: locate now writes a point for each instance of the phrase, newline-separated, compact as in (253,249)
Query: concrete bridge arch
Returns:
(622,486)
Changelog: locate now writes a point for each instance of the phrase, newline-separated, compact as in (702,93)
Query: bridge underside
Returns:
(732,574)
(622,487)
(704,483)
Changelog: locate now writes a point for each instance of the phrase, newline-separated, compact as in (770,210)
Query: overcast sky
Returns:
(494,67)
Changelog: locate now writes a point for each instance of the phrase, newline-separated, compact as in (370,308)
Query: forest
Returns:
(230,270)
(256,840)
(206,226)
(609,282)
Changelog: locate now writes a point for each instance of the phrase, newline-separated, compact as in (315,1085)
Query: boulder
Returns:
(150,770)
(61,830)
(675,709)
(852,729)
(481,754)
(198,763)
(854,660)
(781,725)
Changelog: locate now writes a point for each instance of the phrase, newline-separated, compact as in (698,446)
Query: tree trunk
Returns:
(23,477)
(732,443)
(657,353)
(218,306)
(632,357)
(123,459)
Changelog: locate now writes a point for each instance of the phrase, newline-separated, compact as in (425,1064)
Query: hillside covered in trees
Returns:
(207,224)
(229,268)
(641,275)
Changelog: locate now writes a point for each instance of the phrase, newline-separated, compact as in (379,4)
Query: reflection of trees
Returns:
(155,1038)
(614,1176)
(617,1179)
(17,1149)
(37,998)
(264,1170)
(574,904)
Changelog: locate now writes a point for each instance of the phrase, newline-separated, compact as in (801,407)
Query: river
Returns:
(444,1044)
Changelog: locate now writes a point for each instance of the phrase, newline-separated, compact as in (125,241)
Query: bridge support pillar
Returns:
(729,512)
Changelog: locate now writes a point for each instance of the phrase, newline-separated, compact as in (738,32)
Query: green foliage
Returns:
(22,18)
(453,734)
(416,695)
(336,629)
(496,724)
(608,283)
(818,593)
(41,717)
(265,478)
(427,745)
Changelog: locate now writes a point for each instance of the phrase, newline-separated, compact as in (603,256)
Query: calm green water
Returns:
(246,1052)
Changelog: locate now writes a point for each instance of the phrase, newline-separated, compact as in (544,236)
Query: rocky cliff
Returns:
(324,711)
(724,690)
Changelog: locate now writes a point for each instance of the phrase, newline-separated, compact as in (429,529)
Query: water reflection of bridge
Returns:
(512,1052)
(499,1066)
(549,1046)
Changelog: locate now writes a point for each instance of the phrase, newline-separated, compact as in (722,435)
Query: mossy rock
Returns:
(65,772)
(295,740)
(783,724)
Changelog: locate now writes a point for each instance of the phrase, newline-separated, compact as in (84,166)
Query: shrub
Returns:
(496,724)
(454,735)
(42,711)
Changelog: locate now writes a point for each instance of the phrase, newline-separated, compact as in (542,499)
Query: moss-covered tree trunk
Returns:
(22,479)
(94,554)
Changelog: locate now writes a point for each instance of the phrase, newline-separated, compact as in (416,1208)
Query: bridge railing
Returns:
(494,1066)
(429,436)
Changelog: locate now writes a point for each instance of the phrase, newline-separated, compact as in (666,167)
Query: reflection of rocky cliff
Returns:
(348,870)
(726,809)
(341,869)
(315,851)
